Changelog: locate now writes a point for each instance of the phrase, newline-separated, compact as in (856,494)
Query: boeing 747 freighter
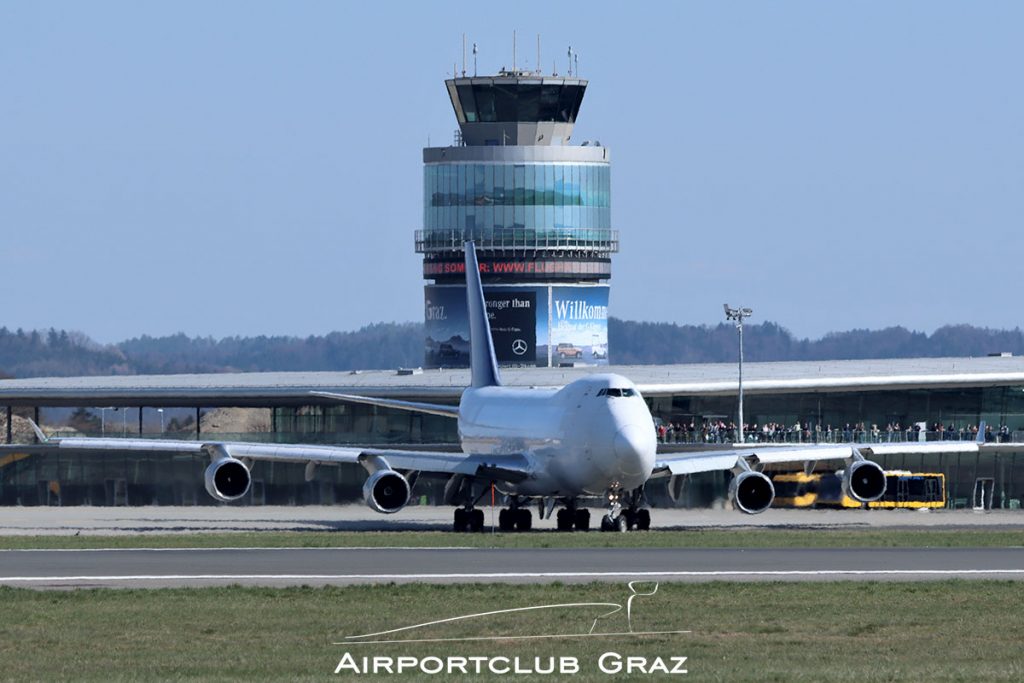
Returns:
(591,439)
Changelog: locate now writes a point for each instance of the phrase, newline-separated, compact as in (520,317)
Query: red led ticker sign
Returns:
(505,267)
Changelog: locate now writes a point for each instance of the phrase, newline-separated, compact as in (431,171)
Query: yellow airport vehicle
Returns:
(904,489)
(795,490)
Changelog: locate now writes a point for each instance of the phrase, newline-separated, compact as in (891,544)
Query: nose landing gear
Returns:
(633,516)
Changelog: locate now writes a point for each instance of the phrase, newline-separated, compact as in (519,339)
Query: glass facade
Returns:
(559,198)
(997,406)
(68,478)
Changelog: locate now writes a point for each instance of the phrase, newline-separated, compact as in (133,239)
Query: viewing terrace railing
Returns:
(728,436)
(603,241)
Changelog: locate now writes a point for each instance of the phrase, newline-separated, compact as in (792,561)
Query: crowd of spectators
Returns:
(720,431)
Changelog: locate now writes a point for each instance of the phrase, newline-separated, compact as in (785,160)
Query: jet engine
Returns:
(864,481)
(752,492)
(227,479)
(386,491)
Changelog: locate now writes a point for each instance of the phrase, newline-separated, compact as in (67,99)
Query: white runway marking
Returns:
(519,575)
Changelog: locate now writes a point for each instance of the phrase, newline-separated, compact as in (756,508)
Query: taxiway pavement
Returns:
(342,566)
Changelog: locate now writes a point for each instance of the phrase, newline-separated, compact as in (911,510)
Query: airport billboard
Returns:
(531,325)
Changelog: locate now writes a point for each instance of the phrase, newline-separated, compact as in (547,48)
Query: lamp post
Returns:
(737,315)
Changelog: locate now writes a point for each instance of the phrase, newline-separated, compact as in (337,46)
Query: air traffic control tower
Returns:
(537,208)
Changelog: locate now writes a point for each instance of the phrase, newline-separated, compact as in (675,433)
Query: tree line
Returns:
(55,353)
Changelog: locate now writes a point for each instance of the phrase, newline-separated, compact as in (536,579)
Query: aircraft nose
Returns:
(634,448)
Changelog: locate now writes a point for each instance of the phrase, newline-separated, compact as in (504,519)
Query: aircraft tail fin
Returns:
(483,363)
(40,436)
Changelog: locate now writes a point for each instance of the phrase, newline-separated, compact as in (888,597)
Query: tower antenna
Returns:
(570,61)
(463,55)
(538,53)
(513,50)
(474,60)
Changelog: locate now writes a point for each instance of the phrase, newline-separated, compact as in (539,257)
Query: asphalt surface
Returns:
(342,566)
(57,521)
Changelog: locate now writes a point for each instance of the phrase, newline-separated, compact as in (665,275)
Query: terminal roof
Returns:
(267,389)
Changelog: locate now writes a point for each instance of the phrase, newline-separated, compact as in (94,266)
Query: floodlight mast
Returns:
(737,315)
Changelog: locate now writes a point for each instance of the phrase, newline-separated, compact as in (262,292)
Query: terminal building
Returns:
(537,206)
(834,400)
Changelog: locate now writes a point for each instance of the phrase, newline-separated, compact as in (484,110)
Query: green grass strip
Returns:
(821,632)
(694,538)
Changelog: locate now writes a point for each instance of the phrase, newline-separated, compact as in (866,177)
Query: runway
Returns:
(343,566)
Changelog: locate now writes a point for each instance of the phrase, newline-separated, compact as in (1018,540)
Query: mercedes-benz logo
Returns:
(519,347)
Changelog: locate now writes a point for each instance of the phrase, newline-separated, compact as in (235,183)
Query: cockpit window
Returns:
(616,393)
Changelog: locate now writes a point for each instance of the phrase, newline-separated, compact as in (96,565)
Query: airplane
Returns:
(592,438)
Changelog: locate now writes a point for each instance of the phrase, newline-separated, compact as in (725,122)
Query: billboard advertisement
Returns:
(530,325)
(579,324)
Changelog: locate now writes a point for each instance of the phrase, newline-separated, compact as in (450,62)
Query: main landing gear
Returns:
(571,517)
(469,519)
(518,517)
(515,519)
(633,516)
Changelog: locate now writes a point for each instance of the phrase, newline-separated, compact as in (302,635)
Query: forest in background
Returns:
(59,353)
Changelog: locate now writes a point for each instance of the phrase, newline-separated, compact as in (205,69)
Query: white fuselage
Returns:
(590,436)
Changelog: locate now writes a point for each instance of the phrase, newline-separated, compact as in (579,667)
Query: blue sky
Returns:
(255,168)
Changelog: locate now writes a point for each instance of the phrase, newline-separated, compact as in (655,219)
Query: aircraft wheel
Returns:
(524,519)
(476,520)
(565,519)
(630,519)
(643,520)
(622,524)
(582,520)
(607,523)
(461,520)
(506,520)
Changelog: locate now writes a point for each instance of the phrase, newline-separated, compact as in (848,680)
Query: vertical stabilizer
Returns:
(482,362)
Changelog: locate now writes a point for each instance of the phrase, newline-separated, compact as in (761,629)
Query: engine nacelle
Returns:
(752,492)
(227,479)
(864,481)
(386,491)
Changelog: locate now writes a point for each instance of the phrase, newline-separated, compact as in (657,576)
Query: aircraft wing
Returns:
(413,406)
(512,467)
(693,462)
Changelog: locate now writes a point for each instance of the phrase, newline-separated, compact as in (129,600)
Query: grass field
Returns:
(942,631)
(695,538)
